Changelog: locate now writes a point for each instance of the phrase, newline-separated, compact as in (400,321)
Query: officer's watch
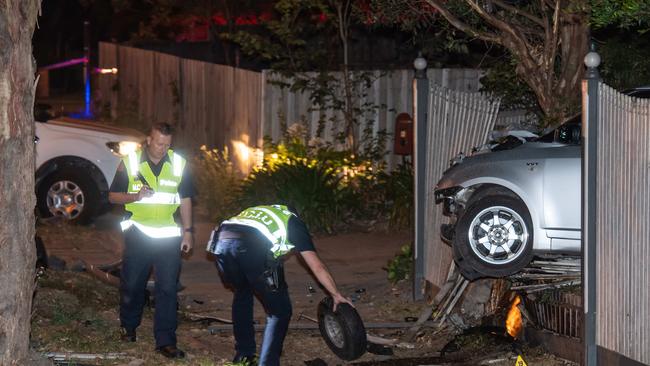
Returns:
(189,229)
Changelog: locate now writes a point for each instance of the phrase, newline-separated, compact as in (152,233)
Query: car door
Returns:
(562,191)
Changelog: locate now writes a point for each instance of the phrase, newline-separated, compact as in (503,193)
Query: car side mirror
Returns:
(568,134)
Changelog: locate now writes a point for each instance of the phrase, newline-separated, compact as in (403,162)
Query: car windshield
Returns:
(558,132)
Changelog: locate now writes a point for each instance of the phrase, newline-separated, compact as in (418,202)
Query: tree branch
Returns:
(518,11)
(462,26)
(512,38)
(555,34)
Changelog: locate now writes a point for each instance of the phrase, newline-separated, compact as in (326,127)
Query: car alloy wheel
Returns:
(66,199)
(497,235)
(494,236)
(68,193)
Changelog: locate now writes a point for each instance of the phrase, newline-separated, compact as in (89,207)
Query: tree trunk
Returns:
(558,89)
(343,17)
(17,261)
(548,42)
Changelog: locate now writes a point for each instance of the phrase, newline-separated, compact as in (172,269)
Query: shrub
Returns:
(398,193)
(313,189)
(401,267)
(217,182)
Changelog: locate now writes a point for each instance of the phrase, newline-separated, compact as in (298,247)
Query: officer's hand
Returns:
(145,191)
(338,299)
(187,243)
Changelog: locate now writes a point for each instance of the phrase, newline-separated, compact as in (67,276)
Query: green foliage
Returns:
(163,19)
(314,190)
(401,266)
(626,60)
(398,193)
(293,40)
(502,81)
(630,14)
(304,42)
(217,182)
(331,188)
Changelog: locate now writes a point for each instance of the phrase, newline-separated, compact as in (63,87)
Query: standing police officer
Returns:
(152,184)
(248,249)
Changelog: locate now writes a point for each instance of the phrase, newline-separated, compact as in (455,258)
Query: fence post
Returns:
(420,113)
(589,185)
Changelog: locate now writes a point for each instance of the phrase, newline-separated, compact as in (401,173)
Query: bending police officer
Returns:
(249,248)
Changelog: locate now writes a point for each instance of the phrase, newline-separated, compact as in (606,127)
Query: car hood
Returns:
(69,125)
(523,151)
(465,168)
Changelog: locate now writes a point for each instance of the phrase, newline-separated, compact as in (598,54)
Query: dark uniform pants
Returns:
(141,253)
(242,264)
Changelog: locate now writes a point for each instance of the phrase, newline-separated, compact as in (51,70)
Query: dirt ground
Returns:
(74,312)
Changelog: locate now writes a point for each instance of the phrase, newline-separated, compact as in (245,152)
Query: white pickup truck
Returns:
(75,165)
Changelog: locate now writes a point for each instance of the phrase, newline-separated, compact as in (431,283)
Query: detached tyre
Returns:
(70,194)
(342,330)
(494,237)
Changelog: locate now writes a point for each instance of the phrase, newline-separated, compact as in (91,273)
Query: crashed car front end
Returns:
(453,200)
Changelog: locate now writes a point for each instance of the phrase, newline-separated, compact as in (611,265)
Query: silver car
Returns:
(513,201)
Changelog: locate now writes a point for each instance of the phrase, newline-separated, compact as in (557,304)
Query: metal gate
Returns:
(616,226)
(457,122)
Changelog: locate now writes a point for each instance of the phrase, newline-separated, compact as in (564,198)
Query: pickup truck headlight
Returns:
(122,148)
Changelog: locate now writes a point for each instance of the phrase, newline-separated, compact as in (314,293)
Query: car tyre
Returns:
(343,330)
(70,194)
(494,237)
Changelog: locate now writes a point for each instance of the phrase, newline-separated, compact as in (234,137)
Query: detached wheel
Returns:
(70,194)
(494,237)
(342,330)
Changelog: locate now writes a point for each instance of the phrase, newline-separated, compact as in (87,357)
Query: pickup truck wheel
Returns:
(69,194)
(494,237)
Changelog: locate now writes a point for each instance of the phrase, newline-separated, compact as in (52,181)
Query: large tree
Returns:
(17,21)
(547,39)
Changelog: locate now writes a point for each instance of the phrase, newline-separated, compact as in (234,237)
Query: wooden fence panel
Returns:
(215,104)
(193,130)
(167,88)
(106,95)
(210,104)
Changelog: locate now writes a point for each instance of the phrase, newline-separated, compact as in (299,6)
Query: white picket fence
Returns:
(458,121)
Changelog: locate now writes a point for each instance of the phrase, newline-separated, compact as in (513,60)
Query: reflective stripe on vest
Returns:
(160,198)
(270,221)
(153,232)
(154,215)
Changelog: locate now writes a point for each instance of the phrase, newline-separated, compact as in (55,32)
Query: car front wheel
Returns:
(69,194)
(494,237)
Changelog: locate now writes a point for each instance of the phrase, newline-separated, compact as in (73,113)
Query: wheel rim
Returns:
(65,199)
(498,235)
(334,331)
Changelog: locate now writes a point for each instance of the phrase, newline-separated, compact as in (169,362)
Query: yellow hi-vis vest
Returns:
(154,215)
(272,221)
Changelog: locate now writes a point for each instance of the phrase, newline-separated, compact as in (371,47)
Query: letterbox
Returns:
(403,135)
